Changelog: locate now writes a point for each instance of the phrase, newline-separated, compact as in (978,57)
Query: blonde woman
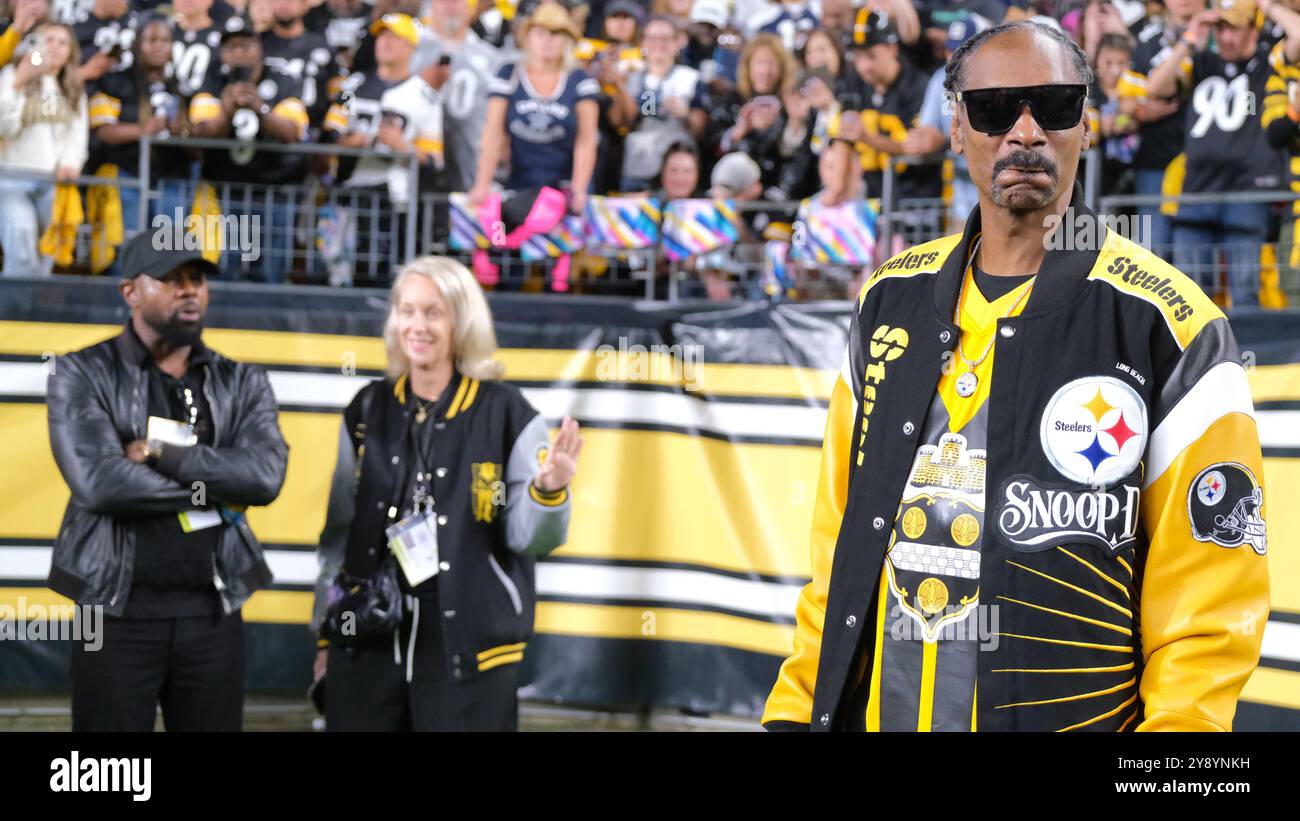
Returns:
(438,446)
(44,133)
(765,71)
(545,111)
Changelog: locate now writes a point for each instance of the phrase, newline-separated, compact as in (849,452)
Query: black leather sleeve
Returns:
(91,454)
(251,470)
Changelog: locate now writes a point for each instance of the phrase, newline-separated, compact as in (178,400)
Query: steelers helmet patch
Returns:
(1225,506)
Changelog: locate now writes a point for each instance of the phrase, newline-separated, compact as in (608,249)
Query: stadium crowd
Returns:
(766,103)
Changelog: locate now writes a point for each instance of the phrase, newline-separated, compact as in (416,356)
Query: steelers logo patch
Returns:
(1094,430)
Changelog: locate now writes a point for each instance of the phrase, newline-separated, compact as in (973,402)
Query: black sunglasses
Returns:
(995,110)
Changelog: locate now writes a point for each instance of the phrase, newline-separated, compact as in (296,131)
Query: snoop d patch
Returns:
(1224,506)
(1094,430)
(1033,516)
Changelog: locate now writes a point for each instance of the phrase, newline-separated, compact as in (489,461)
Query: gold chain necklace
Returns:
(422,410)
(968,382)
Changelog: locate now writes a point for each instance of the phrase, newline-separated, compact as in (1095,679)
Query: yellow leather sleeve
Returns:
(792,695)
(1203,606)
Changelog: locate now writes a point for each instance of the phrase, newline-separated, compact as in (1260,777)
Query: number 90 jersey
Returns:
(1227,149)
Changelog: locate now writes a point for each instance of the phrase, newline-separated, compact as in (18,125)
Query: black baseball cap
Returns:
(237,26)
(871,27)
(141,256)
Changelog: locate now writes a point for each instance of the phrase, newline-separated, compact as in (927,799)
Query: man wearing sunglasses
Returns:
(1034,421)
(1225,145)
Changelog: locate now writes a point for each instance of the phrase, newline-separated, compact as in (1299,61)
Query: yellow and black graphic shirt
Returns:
(927,621)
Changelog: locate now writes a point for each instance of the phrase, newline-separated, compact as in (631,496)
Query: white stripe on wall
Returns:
(578,580)
(668,585)
(1279,429)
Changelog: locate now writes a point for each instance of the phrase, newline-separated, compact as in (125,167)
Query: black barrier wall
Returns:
(689,541)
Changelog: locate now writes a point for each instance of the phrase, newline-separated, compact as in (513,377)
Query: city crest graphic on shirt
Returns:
(1094,430)
(933,562)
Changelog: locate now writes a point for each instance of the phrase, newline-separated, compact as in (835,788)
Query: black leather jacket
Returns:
(97,400)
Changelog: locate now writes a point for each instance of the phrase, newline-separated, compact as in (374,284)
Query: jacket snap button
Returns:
(451,614)
(444,565)
(945,336)
(1007,331)
(455,673)
(908,427)
(379,505)
(442,472)
(825,719)
(877,523)
(851,620)
(442,520)
(455,659)
(372,551)
(396,459)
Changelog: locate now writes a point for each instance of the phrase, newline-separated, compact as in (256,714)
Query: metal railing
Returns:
(387,233)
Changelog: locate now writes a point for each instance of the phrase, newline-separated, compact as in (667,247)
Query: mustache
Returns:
(1028,160)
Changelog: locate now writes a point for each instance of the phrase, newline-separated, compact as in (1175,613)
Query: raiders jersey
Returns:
(1162,140)
(464,107)
(123,98)
(342,31)
(928,603)
(417,110)
(1227,149)
(891,114)
(356,110)
(309,60)
(280,95)
(95,35)
(196,53)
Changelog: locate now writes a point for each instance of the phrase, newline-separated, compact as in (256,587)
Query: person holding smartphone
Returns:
(105,38)
(43,140)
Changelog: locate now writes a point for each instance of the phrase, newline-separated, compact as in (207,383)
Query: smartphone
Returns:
(115,52)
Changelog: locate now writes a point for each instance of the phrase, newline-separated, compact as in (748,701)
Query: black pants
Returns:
(366,687)
(193,667)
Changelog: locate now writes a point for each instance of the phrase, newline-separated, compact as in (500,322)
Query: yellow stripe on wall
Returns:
(664,623)
(560,618)
(720,516)
(1278,688)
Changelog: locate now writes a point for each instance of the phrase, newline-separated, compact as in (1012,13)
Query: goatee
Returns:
(177,332)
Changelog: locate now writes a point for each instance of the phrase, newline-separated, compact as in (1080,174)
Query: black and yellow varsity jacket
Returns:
(1124,535)
(488,444)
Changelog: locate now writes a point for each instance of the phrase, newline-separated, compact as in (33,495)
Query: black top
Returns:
(173,570)
(995,287)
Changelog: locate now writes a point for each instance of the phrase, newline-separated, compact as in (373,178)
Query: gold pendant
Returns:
(420,416)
